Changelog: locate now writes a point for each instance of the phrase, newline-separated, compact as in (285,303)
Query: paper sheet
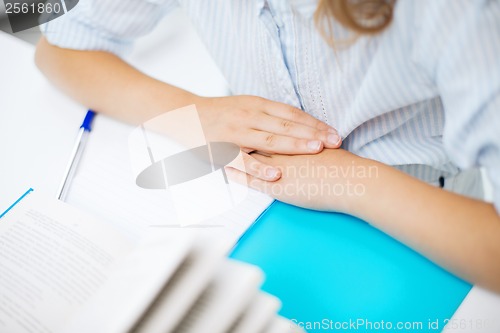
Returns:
(104,186)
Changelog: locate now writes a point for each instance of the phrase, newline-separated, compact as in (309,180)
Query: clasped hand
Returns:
(332,180)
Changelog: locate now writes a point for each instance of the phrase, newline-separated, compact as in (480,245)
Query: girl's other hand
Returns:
(258,124)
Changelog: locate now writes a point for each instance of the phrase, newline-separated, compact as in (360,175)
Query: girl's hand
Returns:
(258,124)
(328,181)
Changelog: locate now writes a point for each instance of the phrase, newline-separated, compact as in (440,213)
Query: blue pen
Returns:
(76,155)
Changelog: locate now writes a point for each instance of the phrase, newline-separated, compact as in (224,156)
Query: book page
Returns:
(224,299)
(282,325)
(104,185)
(132,285)
(258,315)
(52,260)
(183,289)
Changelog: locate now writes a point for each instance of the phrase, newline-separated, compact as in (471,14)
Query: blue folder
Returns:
(331,270)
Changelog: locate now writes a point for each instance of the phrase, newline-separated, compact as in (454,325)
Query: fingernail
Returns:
(332,130)
(271,173)
(333,139)
(314,145)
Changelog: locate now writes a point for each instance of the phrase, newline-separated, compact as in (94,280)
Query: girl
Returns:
(412,87)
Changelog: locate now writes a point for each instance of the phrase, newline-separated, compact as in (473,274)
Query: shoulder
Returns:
(110,25)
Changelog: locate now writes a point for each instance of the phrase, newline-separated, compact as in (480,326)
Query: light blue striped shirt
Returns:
(425,93)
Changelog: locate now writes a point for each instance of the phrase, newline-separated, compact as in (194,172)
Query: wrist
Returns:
(363,182)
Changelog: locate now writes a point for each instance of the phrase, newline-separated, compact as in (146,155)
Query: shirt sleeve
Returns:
(106,25)
(459,47)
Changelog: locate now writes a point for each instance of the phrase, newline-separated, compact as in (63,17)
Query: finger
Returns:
(237,176)
(267,123)
(247,150)
(266,158)
(280,144)
(259,169)
(294,114)
(245,179)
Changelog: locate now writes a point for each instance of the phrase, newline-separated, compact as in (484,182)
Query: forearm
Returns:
(457,232)
(107,84)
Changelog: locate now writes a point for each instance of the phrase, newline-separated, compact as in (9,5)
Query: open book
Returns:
(63,271)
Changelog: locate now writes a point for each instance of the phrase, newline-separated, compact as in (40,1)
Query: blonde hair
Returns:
(361,17)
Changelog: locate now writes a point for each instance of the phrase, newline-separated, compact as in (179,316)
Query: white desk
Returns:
(36,122)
